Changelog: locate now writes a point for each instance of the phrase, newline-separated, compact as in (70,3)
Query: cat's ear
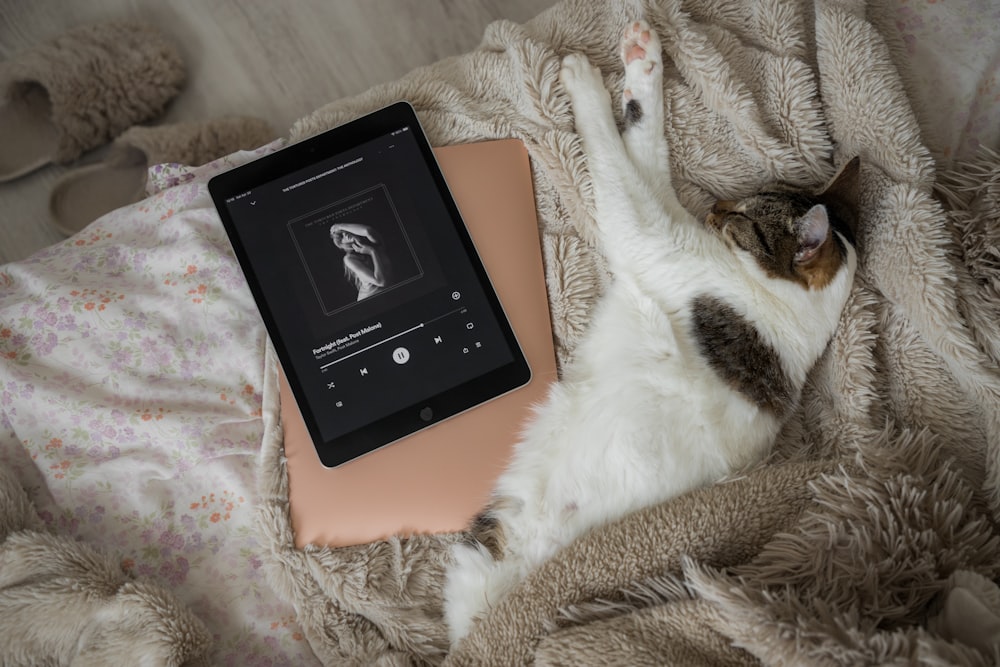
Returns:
(842,195)
(812,230)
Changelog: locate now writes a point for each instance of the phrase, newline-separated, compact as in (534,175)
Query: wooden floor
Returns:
(274,60)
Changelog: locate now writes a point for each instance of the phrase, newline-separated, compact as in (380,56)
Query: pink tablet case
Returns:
(438,479)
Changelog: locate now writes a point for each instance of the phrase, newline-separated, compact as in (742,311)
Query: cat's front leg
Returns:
(595,123)
(642,103)
(614,178)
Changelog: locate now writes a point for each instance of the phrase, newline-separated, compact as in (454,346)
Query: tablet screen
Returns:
(379,308)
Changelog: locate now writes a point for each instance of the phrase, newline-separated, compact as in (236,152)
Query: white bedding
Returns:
(131,364)
(130,405)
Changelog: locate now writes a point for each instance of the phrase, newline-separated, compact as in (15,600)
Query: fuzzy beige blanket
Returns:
(64,602)
(871,534)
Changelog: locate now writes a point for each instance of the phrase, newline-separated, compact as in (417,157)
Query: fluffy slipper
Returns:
(84,194)
(81,90)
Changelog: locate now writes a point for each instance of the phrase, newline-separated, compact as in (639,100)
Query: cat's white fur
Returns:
(638,416)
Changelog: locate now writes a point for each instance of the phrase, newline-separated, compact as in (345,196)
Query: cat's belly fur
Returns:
(637,418)
(640,418)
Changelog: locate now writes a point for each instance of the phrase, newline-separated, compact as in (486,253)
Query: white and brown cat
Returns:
(696,353)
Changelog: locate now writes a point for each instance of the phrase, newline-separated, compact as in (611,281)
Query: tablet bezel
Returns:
(424,413)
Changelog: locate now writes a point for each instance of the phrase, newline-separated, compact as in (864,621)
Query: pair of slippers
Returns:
(94,85)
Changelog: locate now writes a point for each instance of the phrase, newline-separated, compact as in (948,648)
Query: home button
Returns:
(426,414)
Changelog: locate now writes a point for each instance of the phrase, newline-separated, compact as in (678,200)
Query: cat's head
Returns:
(789,234)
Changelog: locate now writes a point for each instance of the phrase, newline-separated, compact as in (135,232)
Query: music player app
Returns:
(369,285)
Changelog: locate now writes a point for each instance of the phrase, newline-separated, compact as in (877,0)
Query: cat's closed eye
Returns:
(792,235)
(789,236)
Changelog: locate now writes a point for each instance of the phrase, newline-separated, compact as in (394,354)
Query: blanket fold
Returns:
(63,602)
(653,542)
(870,534)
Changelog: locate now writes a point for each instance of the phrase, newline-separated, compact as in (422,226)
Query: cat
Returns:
(695,354)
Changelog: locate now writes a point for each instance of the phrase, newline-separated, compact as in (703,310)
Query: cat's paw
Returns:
(640,52)
(578,74)
(474,582)
(641,46)
(466,589)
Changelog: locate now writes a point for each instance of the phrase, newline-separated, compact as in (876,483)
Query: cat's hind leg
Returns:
(476,581)
(642,103)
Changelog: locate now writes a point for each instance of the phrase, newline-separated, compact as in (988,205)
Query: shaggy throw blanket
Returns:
(64,602)
(871,534)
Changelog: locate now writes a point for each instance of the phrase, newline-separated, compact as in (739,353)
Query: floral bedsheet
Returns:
(131,361)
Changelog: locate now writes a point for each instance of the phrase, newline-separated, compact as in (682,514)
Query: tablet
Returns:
(378,305)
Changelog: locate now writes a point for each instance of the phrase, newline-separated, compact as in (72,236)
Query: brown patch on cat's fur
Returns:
(840,197)
(487,530)
(735,350)
(633,112)
(824,266)
(767,226)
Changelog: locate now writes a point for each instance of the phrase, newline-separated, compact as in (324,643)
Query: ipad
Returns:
(378,305)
